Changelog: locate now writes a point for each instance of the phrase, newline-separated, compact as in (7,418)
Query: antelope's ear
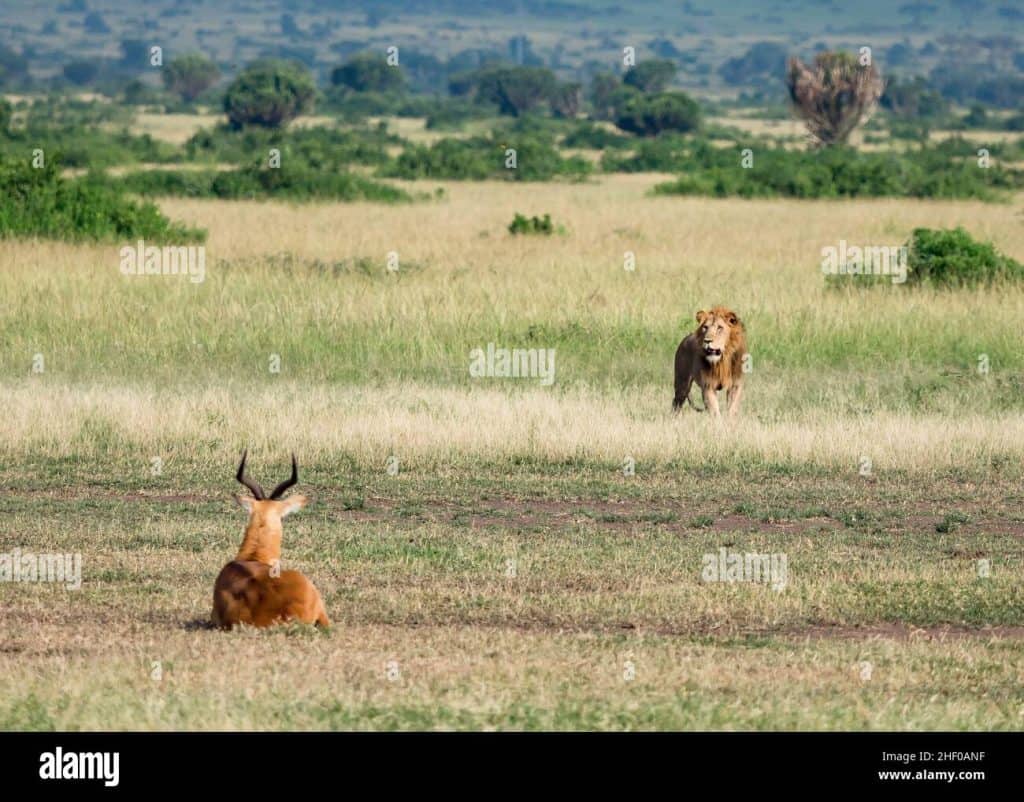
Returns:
(245,502)
(701,315)
(292,504)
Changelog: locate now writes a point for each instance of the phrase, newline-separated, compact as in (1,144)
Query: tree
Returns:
(917,12)
(833,95)
(289,27)
(522,89)
(650,76)
(602,85)
(911,99)
(651,114)
(515,90)
(12,64)
(269,93)
(134,53)
(81,72)
(368,72)
(566,100)
(762,61)
(94,23)
(5,114)
(190,75)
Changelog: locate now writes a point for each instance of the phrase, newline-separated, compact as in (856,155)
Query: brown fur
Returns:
(719,329)
(246,590)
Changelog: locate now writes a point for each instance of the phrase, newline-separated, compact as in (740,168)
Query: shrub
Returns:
(355,106)
(89,146)
(588,135)
(664,154)
(943,171)
(947,258)
(455,113)
(944,257)
(521,224)
(292,181)
(478,158)
(269,93)
(40,203)
(650,115)
(319,146)
(139,93)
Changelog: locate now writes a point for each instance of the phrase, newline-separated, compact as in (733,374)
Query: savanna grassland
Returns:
(511,573)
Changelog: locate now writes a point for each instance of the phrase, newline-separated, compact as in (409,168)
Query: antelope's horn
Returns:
(293,479)
(256,490)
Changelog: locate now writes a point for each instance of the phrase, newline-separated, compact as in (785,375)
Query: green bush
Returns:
(354,107)
(946,171)
(453,114)
(40,203)
(91,147)
(664,154)
(269,93)
(293,182)
(586,134)
(941,258)
(651,114)
(85,134)
(952,258)
(521,224)
(321,146)
(479,158)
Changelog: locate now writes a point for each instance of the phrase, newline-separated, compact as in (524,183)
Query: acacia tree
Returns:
(833,95)
(190,75)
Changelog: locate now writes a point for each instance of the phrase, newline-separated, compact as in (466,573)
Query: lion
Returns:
(713,357)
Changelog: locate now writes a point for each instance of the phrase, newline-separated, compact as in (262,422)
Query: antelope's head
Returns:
(262,541)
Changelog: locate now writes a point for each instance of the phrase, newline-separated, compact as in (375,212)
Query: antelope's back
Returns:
(246,593)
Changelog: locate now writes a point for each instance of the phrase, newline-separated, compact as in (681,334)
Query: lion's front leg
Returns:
(711,402)
(733,398)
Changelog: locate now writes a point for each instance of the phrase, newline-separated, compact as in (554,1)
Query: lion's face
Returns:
(714,331)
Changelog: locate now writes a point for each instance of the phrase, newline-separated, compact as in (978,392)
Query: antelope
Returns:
(252,588)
